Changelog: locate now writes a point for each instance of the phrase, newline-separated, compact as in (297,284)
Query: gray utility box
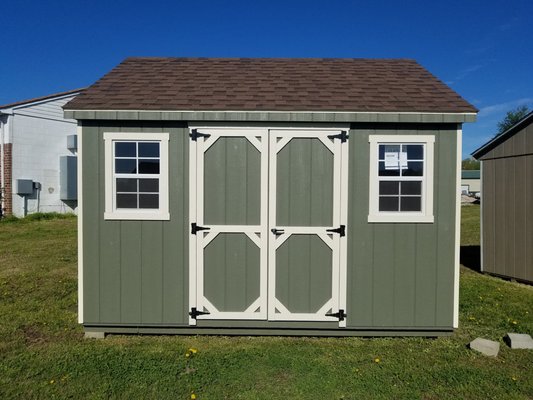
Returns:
(24,187)
(68,178)
(72,142)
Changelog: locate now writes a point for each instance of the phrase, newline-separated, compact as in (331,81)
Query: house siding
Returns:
(39,138)
(400,276)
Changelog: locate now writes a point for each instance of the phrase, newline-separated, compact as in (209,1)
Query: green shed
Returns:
(269,197)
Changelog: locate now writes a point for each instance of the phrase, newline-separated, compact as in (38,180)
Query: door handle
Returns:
(277,231)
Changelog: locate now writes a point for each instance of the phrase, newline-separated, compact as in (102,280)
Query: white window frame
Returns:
(424,216)
(111,212)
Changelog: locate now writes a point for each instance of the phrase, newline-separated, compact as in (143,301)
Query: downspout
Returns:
(2,167)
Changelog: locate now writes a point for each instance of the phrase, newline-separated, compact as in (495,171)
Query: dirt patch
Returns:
(33,335)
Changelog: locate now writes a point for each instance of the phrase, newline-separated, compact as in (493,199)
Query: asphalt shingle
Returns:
(263,84)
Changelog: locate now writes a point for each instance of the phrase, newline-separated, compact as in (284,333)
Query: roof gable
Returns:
(245,84)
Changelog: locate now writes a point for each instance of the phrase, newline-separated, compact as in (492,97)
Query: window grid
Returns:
(400,178)
(136,175)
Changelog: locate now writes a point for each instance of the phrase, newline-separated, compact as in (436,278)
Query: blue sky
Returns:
(482,49)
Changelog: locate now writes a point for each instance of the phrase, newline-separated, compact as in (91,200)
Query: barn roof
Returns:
(499,139)
(270,84)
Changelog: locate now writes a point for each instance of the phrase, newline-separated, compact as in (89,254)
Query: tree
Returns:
(469,163)
(511,118)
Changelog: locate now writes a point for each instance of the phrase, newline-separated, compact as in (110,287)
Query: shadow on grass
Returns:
(471,257)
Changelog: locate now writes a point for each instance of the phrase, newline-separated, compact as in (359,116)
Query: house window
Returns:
(401,178)
(136,176)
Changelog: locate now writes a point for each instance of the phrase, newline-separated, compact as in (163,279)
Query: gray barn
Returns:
(507,203)
(269,196)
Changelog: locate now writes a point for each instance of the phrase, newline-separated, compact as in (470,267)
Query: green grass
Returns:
(43,354)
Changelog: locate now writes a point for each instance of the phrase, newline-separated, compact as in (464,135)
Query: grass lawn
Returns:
(43,354)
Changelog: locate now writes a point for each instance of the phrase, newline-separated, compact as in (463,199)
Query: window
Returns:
(401,178)
(136,176)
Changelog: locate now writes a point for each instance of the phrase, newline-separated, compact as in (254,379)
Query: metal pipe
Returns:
(2,183)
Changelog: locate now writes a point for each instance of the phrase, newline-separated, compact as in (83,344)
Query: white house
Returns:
(38,156)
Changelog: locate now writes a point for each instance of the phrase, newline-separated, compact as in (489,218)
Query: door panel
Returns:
(230,256)
(304,203)
(232,184)
(303,273)
(304,184)
(232,268)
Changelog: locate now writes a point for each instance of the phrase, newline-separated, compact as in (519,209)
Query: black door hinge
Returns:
(343,136)
(341,315)
(195,228)
(341,230)
(277,231)
(195,134)
(194,312)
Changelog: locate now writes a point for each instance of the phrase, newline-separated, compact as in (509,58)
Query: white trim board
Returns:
(457,267)
(80,224)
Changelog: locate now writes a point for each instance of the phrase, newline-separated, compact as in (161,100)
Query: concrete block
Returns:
(94,335)
(518,341)
(485,346)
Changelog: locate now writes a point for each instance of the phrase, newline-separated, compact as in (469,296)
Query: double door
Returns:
(268,224)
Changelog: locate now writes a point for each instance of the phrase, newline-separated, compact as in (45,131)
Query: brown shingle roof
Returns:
(263,84)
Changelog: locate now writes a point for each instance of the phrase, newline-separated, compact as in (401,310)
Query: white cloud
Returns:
(504,107)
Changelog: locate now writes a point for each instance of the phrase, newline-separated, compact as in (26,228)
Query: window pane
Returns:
(412,187)
(125,166)
(388,204)
(414,151)
(148,166)
(126,201)
(126,185)
(414,168)
(388,172)
(148,201)
(389,187)
(388,148)
(125,149)
(148,185)
(411,204)
(148,149)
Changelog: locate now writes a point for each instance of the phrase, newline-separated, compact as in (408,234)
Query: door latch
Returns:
(341,315)
(277,231)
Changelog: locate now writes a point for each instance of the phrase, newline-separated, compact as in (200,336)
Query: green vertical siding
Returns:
(135,272)
(231,272)
(401,275)
(232,184)
(303,273)
(304,184)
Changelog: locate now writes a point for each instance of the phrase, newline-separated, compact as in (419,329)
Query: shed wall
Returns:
(507,215)
(400,276)
(507,211)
